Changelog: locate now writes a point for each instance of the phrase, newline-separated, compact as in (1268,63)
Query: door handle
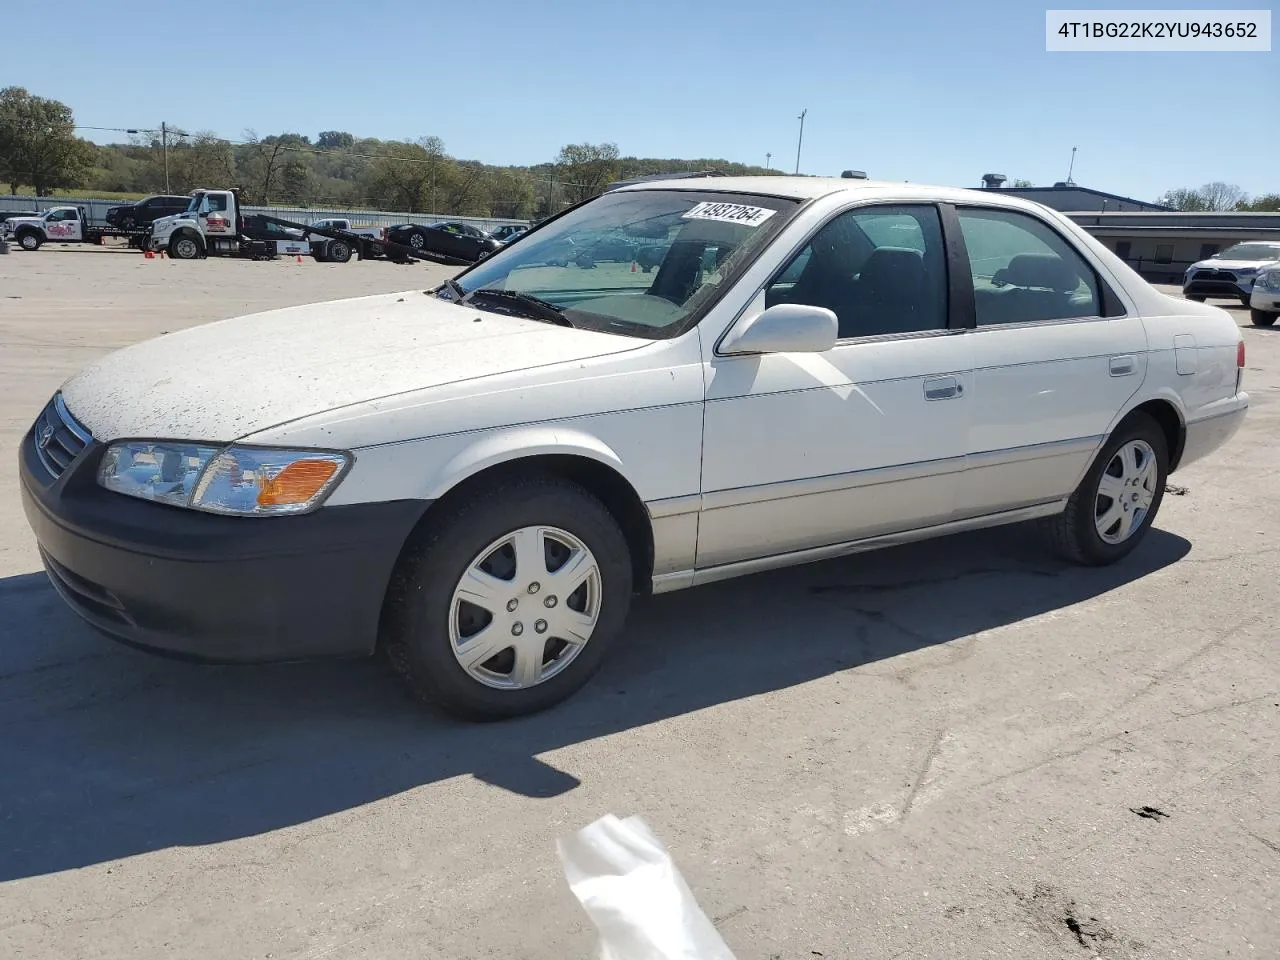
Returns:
(942,388)
(1122,366)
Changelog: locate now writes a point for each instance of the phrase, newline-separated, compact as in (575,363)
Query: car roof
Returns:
(810,188)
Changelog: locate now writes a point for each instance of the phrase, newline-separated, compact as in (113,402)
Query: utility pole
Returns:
(1071,168)
(767,158)
(164,147)
(801,140)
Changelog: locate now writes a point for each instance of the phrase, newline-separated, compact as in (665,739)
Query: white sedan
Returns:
(477,479)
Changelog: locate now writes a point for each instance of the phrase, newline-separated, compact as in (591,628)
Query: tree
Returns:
(334,140)
(411,176)
(38,145)
(1222,196)
(1267,203)
(1020,182)
(1213,196)
(587,168)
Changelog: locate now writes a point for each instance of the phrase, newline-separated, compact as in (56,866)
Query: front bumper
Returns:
(208,587)
(1267,300)
(1213,284)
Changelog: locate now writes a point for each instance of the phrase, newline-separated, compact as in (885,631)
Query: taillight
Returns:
(1240,355)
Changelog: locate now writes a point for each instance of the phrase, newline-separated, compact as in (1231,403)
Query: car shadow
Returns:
(108,752)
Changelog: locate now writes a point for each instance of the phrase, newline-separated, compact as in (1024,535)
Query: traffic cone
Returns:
(149,254)
(299,258)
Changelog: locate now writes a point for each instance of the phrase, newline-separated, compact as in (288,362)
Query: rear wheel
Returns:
(1116,502)
(417,241)
(1260,319)
(338,251)
(508,604)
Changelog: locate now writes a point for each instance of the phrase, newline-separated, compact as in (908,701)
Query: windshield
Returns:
(193,205)
(1251,251)
(644,263)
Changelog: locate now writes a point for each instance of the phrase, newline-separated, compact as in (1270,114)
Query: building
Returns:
(1157,241)
(1160,246)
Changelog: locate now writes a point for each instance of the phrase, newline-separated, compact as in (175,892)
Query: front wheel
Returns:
(184,247)
(1117,500)
(508,604)
(29,241)
(1260,319)
(417,241)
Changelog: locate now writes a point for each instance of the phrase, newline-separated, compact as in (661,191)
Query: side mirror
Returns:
(784,328)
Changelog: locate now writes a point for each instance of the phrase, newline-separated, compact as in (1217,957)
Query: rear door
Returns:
(1055,356)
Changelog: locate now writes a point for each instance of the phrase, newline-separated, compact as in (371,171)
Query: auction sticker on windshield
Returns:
(730,213)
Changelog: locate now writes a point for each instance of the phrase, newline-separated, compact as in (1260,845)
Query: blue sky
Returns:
(932,92)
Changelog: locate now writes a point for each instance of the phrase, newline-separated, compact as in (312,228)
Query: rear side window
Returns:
(1024,271)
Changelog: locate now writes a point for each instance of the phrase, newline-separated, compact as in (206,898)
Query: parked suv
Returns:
(146,211)
(1230,273)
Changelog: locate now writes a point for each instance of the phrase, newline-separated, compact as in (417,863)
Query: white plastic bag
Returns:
(635,896)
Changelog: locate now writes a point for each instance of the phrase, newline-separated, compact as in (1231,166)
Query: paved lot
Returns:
(930,752)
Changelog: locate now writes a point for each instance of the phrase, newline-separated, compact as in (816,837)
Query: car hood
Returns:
(1232,264)
(225,380)
(14,221)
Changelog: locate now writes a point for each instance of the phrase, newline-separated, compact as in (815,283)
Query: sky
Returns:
(933,92)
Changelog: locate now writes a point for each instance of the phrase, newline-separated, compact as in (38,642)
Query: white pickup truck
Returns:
(68,224)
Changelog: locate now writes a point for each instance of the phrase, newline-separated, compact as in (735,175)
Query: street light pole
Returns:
(767,158)
(164,146)
(800,141)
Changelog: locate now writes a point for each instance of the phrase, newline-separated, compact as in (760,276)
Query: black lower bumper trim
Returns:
(215,588)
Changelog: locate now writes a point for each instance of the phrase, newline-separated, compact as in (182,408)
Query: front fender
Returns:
(517,443)
(429,468)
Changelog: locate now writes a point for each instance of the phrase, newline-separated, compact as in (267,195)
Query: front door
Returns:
(1055,360)
(812,450)
(63,226)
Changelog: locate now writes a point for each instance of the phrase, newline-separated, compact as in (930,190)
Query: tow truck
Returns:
(215,225)
(68,224)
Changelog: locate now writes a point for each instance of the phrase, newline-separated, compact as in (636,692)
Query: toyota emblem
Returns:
(46,434)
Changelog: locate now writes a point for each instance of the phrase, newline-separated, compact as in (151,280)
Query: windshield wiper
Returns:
(535,307)
(455,288)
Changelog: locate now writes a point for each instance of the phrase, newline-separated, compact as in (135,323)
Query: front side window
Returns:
(1024,271)
(644,263)
(880,269)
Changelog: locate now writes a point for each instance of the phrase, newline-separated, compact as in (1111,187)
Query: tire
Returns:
(1197,298)
(128,223)
(1261,319)
(184,247)
(29,240)
(424,618)
(338,251)
(483,255)
(1075,533)
(417,241)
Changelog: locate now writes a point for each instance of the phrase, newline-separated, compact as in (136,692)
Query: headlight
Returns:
(1270,279)
(236,480)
